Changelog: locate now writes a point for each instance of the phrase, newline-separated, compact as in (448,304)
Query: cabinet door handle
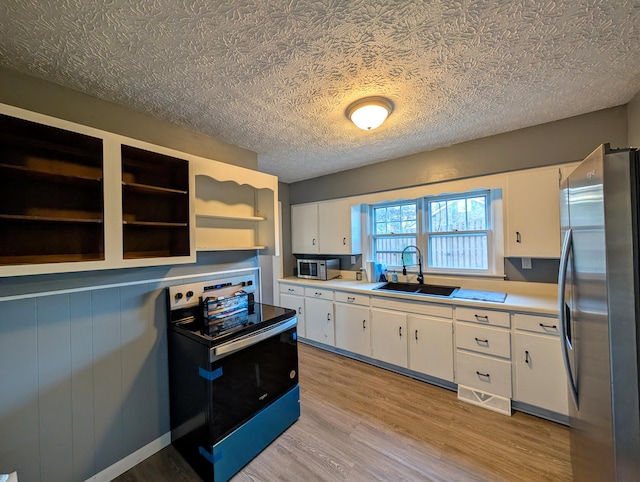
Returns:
(350,299)
(364,325)
(318,293)
(485,375)
(291,289)
(400,331)
(313,242)
(483,318)
(416,334)
(478,340)
(518,237)
(328,316)
(344,241)
(527,359)
(553,327)
(299,310)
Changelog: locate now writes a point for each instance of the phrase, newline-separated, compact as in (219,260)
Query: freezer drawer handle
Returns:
(485,375)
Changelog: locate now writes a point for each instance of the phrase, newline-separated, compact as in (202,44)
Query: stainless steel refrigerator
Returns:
(598,303)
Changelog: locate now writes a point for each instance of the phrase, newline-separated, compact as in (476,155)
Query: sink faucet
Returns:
(404,268)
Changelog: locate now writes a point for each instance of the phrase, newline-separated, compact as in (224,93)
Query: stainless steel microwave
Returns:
(322,269)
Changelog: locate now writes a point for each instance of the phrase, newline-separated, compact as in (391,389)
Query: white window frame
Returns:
(373,236)
(488,232)
(495,249)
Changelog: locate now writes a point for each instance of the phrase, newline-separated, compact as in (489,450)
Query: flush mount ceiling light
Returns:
(370,112)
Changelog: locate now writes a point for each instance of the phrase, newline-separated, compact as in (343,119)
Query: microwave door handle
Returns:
(225,349)
(564,312)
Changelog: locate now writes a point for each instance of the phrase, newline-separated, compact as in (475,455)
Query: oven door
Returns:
(250,373)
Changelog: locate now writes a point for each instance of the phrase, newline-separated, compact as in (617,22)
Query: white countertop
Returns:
(539,304)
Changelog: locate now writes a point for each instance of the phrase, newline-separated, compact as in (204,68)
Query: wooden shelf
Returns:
(156,224)
(52,258)
(53,176)
(50,219)
(231,218)
(149,188)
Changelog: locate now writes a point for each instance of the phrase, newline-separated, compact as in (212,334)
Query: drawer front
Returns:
(485,317)
(292,289)
(490,375)
(537,323)
(489,341)
(352,298)
(318,293)
(419,307)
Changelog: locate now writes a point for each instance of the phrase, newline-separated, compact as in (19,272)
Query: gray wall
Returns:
(633,116)
(552,143)
(83,375)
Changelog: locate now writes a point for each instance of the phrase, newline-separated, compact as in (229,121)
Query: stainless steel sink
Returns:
(420,289)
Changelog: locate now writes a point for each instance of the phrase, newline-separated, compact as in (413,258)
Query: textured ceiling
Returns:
(276,76)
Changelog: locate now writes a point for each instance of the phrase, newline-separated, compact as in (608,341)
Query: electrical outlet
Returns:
(353,260)
(526,263)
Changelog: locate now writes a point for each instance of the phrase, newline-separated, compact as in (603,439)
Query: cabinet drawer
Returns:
(487,374)
(537,323)
(292,289)
(318,293)
(352,298)
(486,317)
(485,340)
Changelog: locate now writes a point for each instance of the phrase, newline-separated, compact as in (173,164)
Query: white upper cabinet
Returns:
(331,227)
(304,229)
(533,213)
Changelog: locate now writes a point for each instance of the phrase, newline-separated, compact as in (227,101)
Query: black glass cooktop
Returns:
(240,322)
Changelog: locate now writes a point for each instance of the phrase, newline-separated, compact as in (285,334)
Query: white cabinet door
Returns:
(319,320)
(389,336)
(431,346)
(533,213)
(540,376)
(304,229)
(295,303)
(353,331)
(339,230)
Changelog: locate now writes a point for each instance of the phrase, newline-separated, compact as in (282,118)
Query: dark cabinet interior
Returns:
(155,204)
(51,194)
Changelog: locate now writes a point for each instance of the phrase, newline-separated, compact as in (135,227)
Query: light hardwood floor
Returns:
(363,423)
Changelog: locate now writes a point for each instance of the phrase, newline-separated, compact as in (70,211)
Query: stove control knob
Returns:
(189,294)
(178,296)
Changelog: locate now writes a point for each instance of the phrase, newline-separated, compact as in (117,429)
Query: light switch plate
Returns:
(526,263)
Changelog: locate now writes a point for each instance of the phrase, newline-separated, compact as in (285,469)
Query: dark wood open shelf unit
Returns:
(155,204)
(51,194)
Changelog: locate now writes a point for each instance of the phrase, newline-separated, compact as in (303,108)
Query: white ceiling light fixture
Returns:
(370,112)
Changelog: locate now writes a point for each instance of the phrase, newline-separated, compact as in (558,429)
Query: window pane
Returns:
(462,214)
(437,216)
(388,250)
(399,219)
(477,213)
(464,251)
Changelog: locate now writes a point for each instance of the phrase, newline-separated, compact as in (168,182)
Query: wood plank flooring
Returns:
(363,423)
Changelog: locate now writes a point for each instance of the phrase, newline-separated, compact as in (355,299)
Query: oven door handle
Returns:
(233,346)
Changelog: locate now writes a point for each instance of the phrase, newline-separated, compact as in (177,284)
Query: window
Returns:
(395,226)
(457,232)
(456,236)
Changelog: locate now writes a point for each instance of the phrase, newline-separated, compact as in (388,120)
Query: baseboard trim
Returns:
(131,460)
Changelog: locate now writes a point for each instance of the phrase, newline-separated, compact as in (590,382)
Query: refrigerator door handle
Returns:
(562,312)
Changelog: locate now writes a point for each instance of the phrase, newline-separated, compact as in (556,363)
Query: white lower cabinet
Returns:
(541,380)
(431,346)
(319,320)
(295,303)
(489,374)
(389,336)
(353,328)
